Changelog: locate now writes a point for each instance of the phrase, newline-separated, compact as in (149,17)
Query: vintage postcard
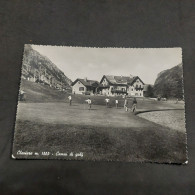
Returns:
(105,104)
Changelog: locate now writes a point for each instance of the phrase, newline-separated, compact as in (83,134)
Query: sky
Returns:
(93,63)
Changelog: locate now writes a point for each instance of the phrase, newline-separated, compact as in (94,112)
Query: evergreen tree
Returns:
(149,92)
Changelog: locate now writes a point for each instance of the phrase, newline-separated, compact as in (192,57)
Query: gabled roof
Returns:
(87,83)
(121,80)
(135,78)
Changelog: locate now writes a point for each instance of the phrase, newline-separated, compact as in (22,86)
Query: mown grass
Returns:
(156,144)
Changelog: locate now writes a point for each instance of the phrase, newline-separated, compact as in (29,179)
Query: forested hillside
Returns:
(169,83)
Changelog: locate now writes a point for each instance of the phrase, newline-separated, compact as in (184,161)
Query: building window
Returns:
(132,89)
(79,82)
(81,88)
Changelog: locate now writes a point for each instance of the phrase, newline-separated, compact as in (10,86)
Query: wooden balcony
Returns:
(139,88)
(118,91)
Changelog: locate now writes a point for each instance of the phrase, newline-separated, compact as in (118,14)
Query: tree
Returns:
(149,92)
(179,89)
(166,90)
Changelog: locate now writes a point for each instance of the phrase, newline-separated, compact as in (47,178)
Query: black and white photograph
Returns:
(101,104)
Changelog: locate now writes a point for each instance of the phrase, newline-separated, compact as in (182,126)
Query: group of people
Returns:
(134,105)
(107,100)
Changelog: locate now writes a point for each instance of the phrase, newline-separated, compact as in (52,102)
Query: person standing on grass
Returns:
(134,104)
(107,102)
(22,95)
(126,104)
(116,102)
(70,100)
(89,103)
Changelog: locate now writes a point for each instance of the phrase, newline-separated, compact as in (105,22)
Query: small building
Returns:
(84,86)
(121,85)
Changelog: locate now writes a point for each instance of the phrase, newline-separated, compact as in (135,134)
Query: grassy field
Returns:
(154,144)
(101,133)
(35,92)
(46,123)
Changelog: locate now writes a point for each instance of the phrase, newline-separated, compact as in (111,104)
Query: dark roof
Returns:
(120,80)
(87,83)
(102,86)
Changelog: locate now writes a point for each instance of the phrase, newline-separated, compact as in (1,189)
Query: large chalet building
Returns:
(121,85)
(110,85)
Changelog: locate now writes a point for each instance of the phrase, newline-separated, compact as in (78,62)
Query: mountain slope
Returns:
(169,83)
(37,65)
